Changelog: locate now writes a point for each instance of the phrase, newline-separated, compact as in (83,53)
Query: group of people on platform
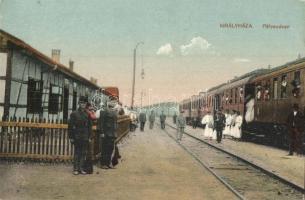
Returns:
(80,135)
(222,125)
(151,119)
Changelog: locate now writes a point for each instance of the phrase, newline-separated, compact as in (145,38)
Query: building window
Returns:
(275,96)
(296,84)
(55,99)
(74,106)
(284,86)
(34,99)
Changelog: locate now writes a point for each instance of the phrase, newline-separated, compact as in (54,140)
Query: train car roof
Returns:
(284,67)
(241,80)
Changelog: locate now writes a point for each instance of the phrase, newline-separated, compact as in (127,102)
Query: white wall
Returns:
(3,59)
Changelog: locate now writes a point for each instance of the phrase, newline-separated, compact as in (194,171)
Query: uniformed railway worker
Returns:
(162,120)
(180,126)
(295,123)
(107,126)
(219,124)
(79,130)
(152,118)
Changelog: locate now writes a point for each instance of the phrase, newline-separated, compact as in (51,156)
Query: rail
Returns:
(268,172)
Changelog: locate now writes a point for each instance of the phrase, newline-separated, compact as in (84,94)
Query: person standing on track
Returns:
(180,126)
(162,120)
(219,124)
(152,118)
(295,123)
(142,119)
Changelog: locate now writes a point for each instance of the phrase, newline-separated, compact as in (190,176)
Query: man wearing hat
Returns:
(107,126)
(219,124)
(295,123)
(162,120)
(79,130)
(142,118)
(180,125)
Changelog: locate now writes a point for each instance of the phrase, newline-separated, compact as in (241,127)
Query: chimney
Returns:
(71,65)
(93,80)
(56,55)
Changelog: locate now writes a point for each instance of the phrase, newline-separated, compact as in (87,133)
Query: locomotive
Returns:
(266,95)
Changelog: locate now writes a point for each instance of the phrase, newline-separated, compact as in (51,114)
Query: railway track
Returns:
(245,179)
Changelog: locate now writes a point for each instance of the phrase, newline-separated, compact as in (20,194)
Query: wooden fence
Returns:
(24,139)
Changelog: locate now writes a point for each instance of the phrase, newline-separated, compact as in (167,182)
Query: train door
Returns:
(249,95)
(249,92)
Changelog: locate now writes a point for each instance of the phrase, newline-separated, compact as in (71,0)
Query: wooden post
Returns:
(8,82)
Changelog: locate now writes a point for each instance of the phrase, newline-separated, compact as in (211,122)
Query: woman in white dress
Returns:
(227,129)
(232,127)
(237,127)
(249,116)
(208,121)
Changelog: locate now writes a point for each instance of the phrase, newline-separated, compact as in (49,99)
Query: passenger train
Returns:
(271,94)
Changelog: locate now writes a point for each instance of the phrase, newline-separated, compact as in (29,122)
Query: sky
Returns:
(185,50)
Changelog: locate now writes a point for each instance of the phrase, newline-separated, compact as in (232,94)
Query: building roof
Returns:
(6,38)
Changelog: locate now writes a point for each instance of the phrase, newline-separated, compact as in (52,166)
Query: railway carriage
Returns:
(274,93)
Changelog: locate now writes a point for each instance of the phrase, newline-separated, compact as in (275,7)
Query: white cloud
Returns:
(241,60)
(302,0)
(165,50)
(198,45)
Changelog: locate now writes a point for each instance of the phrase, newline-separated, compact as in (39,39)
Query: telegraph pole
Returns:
(134,73)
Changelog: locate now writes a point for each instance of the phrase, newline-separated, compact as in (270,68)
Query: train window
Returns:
(267,91)
(258,92)
(296,83)
(275,96)
(231,96)
(284,86)
(241,94)
(235,96)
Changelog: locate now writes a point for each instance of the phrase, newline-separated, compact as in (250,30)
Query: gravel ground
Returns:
(273,159)
(153,167)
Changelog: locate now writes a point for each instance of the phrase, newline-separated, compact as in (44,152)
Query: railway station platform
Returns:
(291,168)
(153,166)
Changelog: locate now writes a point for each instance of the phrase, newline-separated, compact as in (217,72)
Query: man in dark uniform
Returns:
(79,130)
(142,119)
(162,120)
(219,124)
(107,126)
(295,123)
